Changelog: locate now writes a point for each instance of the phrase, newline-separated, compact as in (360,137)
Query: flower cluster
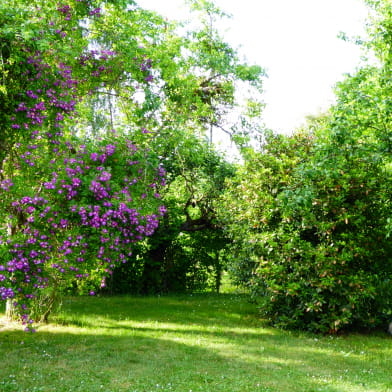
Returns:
(6,293)
(86,216)
(65,10)
(96,12)
(67,14)
(145,65)
(53,91)
(97,62)
(52,96)
(6,184)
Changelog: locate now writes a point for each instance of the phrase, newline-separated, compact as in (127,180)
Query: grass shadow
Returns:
(65,362)
(146,345)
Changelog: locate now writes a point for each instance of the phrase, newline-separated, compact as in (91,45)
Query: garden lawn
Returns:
(185,343)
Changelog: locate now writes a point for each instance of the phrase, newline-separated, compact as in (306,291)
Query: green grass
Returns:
(185,343)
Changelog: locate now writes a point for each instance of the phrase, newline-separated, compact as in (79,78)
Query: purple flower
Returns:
(105,176)
(6,293)
(162,210)
(95,11)
(31,94)
(110,149)
(50,185)
(99,191)
(6,184)
(76,182)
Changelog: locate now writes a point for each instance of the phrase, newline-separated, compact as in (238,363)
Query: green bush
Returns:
(308,218)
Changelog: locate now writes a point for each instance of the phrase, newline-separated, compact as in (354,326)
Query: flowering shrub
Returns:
(69,207)
(85,215)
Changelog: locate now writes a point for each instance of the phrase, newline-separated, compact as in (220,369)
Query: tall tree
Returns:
(95,95)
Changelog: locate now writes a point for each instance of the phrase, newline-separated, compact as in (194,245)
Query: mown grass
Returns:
(185,343)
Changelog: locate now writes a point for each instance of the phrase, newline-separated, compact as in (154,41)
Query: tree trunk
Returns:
(152,270)
(218,273)
(10,313)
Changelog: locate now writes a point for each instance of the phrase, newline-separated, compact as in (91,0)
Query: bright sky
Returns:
(296,42)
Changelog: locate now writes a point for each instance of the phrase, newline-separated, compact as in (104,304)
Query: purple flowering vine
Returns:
(72,207)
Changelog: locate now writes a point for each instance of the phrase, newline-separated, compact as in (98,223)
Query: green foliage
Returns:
(308,219)
(195,77)
(186,252)
(310,214)
(251,208)
(156,82)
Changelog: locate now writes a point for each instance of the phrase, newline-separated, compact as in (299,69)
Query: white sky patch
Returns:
(296,42)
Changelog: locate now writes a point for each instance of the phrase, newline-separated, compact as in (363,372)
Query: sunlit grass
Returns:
(185,343)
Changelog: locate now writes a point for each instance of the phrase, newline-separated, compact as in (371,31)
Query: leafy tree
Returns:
(74,76)
(251,209)
(184,254)
(308,220)
(310,214)
(195,92)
